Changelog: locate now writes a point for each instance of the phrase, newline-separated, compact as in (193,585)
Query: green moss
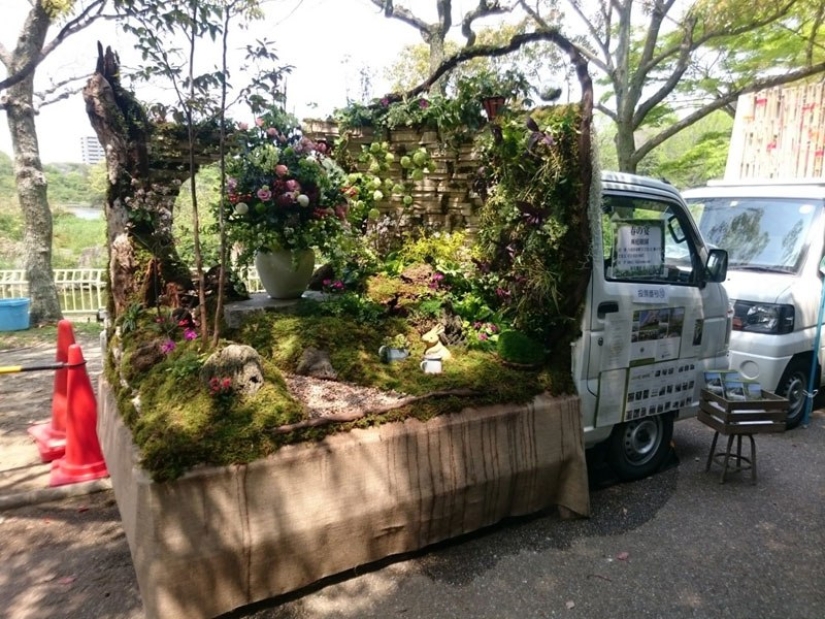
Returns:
(518,347)
(179,425)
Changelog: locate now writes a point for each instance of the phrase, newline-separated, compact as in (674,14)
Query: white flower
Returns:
(303,199)
(241,208)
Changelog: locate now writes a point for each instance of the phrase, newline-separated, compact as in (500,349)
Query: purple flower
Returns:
(190,334)
(482,336)
(167,347)
(385,102)
(232,184)
(423,104)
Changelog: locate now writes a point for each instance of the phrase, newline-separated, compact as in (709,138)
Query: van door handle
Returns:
(608,307)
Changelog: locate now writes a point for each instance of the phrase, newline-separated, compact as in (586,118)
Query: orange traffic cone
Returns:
(50,437)
(83,460)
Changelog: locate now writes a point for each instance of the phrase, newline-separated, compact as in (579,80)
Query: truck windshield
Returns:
(763,234)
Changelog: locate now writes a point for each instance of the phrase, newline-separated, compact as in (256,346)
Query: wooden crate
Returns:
(728,417)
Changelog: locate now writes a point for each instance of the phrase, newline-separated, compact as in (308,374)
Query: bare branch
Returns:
(483,9)
(376,410)
(697,42)
(672,81)
(91,13)
(727,99)
(60,90)
(611,114)
(405,15)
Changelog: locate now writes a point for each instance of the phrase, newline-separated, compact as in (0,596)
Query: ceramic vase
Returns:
(285,273)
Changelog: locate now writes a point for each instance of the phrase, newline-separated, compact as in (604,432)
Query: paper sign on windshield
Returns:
(639,248)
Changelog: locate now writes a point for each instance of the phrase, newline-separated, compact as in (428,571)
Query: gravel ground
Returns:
(677,545)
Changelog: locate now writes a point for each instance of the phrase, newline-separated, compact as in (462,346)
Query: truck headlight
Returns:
(762,317)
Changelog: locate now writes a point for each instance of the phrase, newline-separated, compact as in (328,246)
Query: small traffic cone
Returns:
(50,437)
(83,460)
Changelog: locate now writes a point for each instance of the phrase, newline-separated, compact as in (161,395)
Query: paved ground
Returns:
(678,545)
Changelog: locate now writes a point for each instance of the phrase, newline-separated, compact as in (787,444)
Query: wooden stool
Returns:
(736,419)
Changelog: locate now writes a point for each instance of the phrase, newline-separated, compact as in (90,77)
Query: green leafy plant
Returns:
(399,341)
(520,348)
(187,365)
(529,247)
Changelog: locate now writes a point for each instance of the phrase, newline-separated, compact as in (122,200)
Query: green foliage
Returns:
(517,347)
(70,184)
(207,187)
(187,365)
(527,243)
(459,116)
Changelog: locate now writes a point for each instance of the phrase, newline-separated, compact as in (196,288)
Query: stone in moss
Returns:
(239,362)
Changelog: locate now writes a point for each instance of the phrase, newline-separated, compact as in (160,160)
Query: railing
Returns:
(83,291)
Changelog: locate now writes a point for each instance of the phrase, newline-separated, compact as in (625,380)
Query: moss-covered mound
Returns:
(178,422)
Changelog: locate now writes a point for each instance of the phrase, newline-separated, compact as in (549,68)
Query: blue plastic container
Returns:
(14,314)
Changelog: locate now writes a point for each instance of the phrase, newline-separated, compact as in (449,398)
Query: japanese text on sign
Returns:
(639,248)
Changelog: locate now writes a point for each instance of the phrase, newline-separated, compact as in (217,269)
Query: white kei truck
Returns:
(656,317)
(774,232)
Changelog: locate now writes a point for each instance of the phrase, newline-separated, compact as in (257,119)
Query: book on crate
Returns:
(715,380)
(753,390)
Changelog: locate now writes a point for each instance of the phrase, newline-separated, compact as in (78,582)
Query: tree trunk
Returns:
(626,147)
(28,172)
(437,54)
(144,267)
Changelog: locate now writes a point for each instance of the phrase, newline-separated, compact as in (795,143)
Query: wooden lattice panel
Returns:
(779,133)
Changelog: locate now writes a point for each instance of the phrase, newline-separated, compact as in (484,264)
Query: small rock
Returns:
(316,363)
(240,363)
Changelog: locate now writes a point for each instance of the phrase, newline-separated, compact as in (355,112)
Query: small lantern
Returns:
(492,106)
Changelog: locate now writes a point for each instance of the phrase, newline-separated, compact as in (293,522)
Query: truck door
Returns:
(653,324)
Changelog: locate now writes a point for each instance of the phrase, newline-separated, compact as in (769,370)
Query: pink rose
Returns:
(259,121)
(292,185)
(281,170)
(243,126)
(264,193)
(272,132)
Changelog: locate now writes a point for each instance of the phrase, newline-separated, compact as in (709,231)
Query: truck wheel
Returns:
(793,385)
(637,448)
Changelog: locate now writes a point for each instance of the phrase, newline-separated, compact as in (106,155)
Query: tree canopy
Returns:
(666,65)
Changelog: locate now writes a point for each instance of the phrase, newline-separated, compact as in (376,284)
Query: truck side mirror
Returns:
(716,267)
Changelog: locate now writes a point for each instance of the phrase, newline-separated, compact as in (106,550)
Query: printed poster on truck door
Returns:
(656,335)
(638,249)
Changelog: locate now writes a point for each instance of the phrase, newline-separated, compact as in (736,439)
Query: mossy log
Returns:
(143,262)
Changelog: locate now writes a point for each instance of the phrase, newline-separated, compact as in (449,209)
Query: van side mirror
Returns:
(822,265)
(716,267)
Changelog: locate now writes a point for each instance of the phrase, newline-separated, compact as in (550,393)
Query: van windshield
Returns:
(762,234)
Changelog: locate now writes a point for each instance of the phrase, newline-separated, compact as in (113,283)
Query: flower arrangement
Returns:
(284,191)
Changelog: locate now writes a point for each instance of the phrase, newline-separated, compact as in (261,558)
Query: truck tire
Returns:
(637,448)
(793,385)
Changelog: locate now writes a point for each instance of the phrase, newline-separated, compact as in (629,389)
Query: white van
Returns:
(774,233)
(656,317)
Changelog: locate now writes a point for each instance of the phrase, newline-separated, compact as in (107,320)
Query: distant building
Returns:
(90,150)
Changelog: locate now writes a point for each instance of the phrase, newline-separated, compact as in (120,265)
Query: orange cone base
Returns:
(50,443)
(64,473)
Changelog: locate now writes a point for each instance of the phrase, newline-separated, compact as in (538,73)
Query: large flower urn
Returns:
(285,273)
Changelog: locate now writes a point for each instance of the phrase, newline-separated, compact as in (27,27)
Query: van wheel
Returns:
(638,448)
(793,385)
